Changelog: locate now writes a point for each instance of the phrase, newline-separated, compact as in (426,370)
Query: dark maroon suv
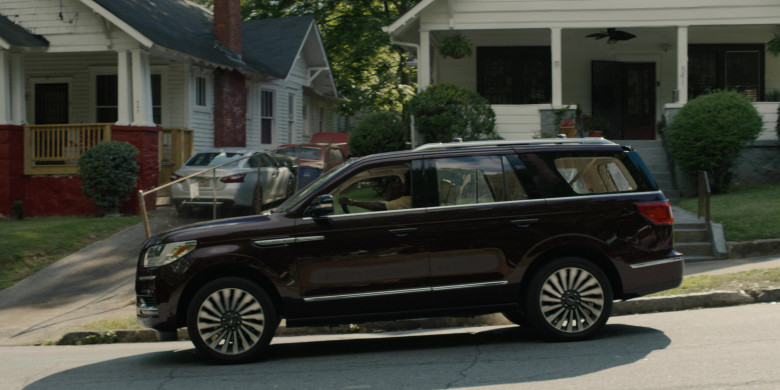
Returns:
(547,232)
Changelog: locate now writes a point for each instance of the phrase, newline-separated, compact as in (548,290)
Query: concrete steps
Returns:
(654,155)
(691,237)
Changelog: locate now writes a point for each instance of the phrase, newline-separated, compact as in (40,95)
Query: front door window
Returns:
(51,103)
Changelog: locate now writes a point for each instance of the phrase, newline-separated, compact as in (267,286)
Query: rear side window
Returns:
(572,173)
(473,180)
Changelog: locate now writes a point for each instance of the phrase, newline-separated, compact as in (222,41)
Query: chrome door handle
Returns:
(524,222)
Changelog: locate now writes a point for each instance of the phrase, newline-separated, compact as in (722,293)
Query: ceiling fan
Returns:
(613,34)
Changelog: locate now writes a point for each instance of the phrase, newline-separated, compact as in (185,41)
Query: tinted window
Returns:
(306,153)
(389,185)
(480,179)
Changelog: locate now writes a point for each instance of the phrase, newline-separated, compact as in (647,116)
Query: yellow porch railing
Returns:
(55,149)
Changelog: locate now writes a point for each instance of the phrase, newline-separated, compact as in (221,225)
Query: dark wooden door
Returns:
(51,103)
(638,95)
(606,96)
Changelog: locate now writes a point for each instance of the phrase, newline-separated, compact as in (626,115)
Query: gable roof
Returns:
(282,37)
(13,35)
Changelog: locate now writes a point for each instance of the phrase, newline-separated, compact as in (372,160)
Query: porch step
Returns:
(691,236)
(655,158)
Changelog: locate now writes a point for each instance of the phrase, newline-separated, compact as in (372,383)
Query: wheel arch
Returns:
(232,270)
(582,251)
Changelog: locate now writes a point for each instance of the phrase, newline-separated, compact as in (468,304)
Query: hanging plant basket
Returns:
(773,46)
(455,46)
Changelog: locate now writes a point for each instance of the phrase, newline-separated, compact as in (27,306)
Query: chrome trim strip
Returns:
(366,295)
(657,262)
(147,278)
(289,240)
(403,291)
(606,195)
(471,285)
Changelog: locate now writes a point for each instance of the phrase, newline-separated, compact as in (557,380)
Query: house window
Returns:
(514,75)
(106,102)
(266,116)
(200,91)
(732,67)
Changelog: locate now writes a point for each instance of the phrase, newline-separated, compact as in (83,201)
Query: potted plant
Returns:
(773,46)
(455,46)
(567,128)
(596,126)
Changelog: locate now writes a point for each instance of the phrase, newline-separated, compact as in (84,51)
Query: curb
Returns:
(635,306)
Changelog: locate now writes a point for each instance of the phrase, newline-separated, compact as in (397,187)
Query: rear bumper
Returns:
(652,276)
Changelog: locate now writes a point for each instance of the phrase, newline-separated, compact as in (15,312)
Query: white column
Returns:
(5,89)
(18,106)
(424,61)
(557,72)
(682,64)
(142,89)
(124,90)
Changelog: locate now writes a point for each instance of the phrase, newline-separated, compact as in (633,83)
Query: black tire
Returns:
(231,320)
(516,317)
(181,210)
(569,299)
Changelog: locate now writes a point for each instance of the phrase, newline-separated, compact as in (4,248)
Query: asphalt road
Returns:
(724,348)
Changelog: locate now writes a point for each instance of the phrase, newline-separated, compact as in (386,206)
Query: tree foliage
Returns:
(370,72)
(710,132)
(108,174)
(377,133)
(444,111)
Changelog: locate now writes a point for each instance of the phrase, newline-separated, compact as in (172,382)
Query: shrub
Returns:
(108,174)
(444,111)
(709,133)
(376,133)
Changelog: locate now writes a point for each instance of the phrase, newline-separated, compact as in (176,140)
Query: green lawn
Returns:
(747,212)
(32,244)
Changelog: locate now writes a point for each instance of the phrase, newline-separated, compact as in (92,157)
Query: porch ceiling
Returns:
(13,35)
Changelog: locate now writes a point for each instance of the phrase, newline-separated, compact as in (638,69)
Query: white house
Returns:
(533,56)
(74,72)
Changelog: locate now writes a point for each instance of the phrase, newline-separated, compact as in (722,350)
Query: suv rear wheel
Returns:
(569,299)
(231,320)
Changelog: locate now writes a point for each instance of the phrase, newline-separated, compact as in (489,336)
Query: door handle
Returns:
(525,222)
(402,232)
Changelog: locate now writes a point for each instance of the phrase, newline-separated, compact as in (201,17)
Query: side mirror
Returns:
(321,206)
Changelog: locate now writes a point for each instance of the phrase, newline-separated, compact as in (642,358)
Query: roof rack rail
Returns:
(545,141)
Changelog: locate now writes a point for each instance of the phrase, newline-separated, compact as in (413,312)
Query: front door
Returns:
(626,102)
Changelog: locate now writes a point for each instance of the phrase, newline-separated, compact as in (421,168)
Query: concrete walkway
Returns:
(97,283)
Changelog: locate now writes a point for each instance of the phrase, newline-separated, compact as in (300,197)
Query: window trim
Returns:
(485,53)
(265,92)
(721,51)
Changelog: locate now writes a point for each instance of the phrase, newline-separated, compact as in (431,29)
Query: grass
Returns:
(112,324)
(757,279)
(747,212)
(30,245)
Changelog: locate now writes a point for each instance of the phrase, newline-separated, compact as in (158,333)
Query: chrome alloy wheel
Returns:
(571,300)
(230,321)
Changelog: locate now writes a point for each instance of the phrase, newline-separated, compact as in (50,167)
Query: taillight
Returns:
(237,178)
(175,177)
(660,213)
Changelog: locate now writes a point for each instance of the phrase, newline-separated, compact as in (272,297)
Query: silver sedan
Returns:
(235,183)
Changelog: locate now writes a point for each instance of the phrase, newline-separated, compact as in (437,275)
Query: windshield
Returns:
(306,191)
(302,152)
(211,159)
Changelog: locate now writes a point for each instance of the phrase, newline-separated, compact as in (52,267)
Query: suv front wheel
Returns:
(569,298)
(231,320)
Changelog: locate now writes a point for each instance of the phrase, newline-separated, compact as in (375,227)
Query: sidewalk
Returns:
(97,283)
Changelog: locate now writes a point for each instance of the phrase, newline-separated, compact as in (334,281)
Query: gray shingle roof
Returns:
(15,35)
(275,42)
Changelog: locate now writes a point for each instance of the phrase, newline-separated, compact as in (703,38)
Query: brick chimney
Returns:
(227,24)
(229,85)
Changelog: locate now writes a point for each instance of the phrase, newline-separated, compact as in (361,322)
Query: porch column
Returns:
(142,89)
(18,106)
(5,89)
(424,61)
(557,73)
(124,91)
(682,64)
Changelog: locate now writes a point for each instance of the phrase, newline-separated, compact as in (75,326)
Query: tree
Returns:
(710,132)
(444,111)
(370,72)
(377,133)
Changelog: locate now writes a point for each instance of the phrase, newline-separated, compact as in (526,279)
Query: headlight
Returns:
(163,254)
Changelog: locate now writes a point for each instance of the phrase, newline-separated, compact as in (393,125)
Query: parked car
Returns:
(313,159)
(236,183)
(547,232)
(336,139)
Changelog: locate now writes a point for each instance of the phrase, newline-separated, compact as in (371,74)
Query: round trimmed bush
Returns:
(377,133)
(444,111)
(710,132)
(108,173)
